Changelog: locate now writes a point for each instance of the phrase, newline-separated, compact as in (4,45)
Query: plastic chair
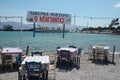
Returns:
(18,60)
(36,53)
(34,70)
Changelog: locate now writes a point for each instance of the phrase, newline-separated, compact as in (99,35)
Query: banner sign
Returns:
(46,17)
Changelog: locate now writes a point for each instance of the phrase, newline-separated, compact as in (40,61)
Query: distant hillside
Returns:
(17,25)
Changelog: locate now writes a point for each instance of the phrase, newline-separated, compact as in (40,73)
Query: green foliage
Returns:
(114,22)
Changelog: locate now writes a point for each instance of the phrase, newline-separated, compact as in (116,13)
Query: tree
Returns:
(118,27)
(114,22)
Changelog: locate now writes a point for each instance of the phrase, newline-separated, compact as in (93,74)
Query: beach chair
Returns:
(52,68)
(34,70)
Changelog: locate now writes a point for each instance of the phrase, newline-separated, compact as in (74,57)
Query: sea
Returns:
(47,42)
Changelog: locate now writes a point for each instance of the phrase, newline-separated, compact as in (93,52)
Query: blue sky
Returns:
(89,8)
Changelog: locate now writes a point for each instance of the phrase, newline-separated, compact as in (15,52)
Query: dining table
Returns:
(105,50)
(10,51)
(73,51)
(43,59)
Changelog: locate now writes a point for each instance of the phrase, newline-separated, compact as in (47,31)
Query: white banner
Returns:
(46,17)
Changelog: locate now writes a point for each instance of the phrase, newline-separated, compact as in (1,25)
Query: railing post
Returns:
(63,30)
(27,50)
(113,54)
(34,29)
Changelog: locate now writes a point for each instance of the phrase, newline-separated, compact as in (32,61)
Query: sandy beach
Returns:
(87,71)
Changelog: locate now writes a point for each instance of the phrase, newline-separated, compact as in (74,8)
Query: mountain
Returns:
(17,25)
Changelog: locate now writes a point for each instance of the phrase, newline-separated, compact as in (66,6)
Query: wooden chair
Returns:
(19,67)
(26,52)
(79,51)
(52,68)
(76,60)
(36,53)
(71,46)
(65,58)
(34,70)
(0,58)
(7,60)
(99,53)
(90,53)
(58,47)
(65,54)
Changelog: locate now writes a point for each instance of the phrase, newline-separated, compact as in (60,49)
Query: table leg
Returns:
(45,74)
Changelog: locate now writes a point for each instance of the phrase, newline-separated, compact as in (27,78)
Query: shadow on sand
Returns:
(8,69)
(64,67)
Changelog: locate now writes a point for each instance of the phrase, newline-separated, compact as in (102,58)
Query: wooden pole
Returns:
(63,30)
(21,34)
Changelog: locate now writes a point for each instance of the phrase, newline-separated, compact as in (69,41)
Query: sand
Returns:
(87,71)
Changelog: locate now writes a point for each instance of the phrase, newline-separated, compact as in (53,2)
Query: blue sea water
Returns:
(47,42)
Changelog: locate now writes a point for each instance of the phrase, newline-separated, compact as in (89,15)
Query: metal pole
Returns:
(34,29)
(87,24)
(74,20)
(0,22)
(113,54)
(63,30)
(21,34)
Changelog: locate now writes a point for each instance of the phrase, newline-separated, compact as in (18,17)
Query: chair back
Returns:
(7,60)
(58,47)
(33,67)
(27,50)
(18,60)
(65,54)
(36,53)
(71,46)
(79,51)
(7,57)
(0,49)
(99,50)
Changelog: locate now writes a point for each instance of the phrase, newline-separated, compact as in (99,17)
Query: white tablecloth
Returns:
(106,50)
(43,59)
(73,51)
(105,47)
(11,51)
